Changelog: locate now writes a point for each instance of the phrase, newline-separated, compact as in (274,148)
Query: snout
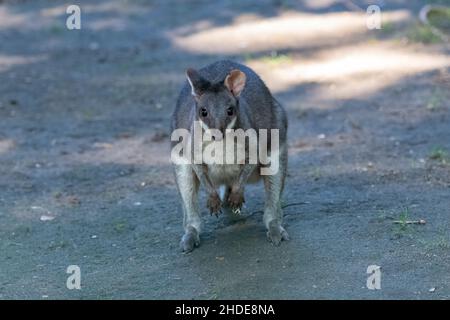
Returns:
(218,132)
(217,135)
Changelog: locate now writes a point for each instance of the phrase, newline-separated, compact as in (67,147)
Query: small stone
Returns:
(46,218)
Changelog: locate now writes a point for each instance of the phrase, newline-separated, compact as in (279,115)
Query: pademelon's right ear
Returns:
(198,84)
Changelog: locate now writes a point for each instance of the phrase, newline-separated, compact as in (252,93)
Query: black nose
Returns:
(214,138)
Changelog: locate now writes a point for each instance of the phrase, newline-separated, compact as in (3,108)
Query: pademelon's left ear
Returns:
(235,82)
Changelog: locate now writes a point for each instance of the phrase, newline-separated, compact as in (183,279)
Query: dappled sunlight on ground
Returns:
(7,61)
(339,68)
(113,23)
(6,145)
(286,31)
(11,20)
(353,71)
(320,4)
(85,164)
(133,150)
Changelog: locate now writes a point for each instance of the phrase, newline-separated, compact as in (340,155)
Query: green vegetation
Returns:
(403,218)
(388,27)
(440,18)
(120,227)
(276,59)
(436,100)
(423,34)
(438,29)
(440,154)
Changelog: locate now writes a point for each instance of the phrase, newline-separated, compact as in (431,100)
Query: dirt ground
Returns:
(85,175)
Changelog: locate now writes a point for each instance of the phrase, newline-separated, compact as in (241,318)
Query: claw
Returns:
(236,201)
(236,211)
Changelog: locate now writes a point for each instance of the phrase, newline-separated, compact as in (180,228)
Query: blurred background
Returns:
(85,176)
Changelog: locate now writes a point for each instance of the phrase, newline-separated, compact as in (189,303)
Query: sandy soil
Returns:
(84,118)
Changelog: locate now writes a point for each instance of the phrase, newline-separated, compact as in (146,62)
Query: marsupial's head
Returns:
(217,104)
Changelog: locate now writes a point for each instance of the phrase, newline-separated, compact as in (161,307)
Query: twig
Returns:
(410,221)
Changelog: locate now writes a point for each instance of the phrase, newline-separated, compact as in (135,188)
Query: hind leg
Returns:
(188,186)
(273,213)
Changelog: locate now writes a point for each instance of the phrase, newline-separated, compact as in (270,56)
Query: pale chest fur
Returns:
(223,171)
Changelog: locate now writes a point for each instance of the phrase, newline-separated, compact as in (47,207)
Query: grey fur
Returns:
(256,109)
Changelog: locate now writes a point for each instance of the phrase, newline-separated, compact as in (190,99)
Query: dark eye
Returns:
(230,111)
(203,112)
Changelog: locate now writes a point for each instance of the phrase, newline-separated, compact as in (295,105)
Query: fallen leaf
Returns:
(73,200)
(103,145)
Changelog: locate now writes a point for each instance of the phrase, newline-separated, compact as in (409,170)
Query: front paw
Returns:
(236,200)
(214,204)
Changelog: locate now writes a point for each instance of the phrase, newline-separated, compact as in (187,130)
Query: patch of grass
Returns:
(120,227)
(423,34)
(388,27)
(247,57)
(440,154)
(56,29)
(440,19)
(436,100)
(401,227)
(403,217)
(276,59)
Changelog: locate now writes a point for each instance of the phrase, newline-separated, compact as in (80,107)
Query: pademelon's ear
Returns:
(235,82)
(198,84)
